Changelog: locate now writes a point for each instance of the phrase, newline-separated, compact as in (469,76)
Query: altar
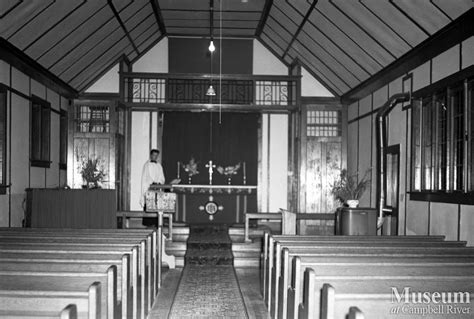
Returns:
(219,204)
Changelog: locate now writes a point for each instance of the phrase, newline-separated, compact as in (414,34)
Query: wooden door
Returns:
(323,157)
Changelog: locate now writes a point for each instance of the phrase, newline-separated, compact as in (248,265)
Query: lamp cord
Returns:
(220,63)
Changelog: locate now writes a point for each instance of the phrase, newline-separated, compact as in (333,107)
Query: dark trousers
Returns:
(149,221)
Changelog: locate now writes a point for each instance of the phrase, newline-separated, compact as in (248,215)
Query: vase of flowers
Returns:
(228,171)
(348,190)
(92,172)
(191,169)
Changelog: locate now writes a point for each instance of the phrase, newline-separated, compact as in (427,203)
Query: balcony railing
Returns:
(239,90)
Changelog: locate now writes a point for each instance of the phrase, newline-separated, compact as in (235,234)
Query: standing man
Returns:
(152,174)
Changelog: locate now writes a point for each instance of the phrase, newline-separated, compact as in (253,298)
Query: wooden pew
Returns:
(69,312)
(20,282)
(291,286)
(373,294)
(51,298)
(124,289)
(133,296)
(84,239)
(269,241)
(86,235)
(363,247)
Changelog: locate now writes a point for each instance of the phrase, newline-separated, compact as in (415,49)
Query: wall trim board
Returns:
(452,34)
(33,69)
(443,83)
(320,100)
(456,77)
(440,197)
(29,98)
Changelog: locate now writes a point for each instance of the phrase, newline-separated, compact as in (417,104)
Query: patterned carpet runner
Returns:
(209,245)
(208,287)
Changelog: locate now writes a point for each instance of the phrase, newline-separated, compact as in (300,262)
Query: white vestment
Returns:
(151,173)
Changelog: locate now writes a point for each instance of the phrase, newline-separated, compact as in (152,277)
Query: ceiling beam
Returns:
(17,58)
(300,27)
(159,17)
(122,25)
(263,19)
(452,34)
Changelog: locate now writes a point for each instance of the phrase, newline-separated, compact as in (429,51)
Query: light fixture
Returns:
(211,91)
(212,47)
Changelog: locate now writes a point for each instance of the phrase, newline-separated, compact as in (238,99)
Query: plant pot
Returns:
(352,203)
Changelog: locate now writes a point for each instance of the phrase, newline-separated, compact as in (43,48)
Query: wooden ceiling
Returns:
(341,42)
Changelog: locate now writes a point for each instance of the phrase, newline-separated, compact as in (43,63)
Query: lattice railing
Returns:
(162,88)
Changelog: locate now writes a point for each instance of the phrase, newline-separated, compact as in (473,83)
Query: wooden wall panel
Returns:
(352,111)
(466,224)
(421,76)
(52,174)
(140,152)
(444,220)
(20,175)
(467,52)
(353,147)
(38,89)
(365,146)
(4,73)
(446,64)
(20,81)
(418,218)
(278,162)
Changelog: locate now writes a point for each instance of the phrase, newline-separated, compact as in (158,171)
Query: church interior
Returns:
(237,159)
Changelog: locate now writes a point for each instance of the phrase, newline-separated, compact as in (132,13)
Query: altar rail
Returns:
(165,89)
(288,220)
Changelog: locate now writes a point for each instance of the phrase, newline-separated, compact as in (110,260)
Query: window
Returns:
(40,132)
(63,140)
(3,139)
(442,139)
(324,123)
(92,118)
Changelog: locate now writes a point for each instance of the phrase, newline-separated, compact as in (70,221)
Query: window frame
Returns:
(464,192)
(63,139)
(44,159)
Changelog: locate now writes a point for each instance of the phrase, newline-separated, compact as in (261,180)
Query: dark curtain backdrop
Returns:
(199,135)
(190,55)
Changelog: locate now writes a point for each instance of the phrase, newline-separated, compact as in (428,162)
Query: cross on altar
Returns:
(210,165)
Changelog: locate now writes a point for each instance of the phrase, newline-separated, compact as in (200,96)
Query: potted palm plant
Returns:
(348,190)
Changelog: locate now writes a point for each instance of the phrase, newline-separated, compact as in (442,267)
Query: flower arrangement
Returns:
(347,189)
(92,171)
(228,170)
(191,167)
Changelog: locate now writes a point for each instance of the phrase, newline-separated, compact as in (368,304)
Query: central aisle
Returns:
(208,291)
(208,287)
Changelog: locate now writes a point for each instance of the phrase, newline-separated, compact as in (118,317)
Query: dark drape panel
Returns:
(199,135)
(190,55)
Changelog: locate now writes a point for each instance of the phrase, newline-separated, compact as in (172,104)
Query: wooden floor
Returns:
(249,284)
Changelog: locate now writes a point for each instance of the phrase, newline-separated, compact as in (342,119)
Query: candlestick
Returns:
(244,168)
(179,169)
